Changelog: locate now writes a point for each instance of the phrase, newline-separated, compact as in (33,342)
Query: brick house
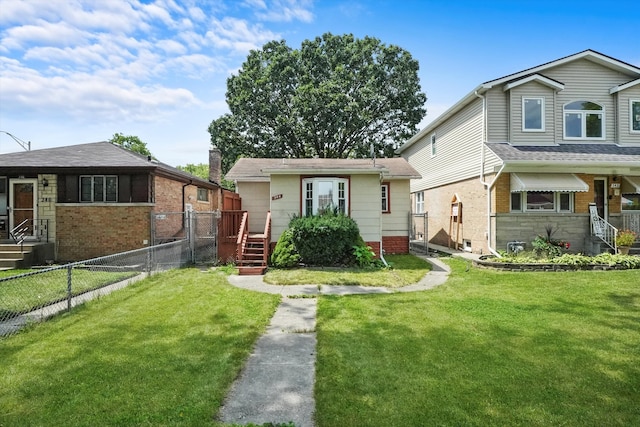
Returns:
(95,199)
(554,145)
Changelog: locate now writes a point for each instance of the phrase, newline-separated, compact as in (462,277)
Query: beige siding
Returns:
(497,115)
(255,200)
(396,222)
(458,143)
(531,90)
(625,135)
(285,207)
(586,80)
(366,204)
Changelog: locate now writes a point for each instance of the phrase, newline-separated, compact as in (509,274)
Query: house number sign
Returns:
(276,197)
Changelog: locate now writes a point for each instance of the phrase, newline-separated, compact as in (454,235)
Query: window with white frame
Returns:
(634,108)
(203,195)
(386,204)
(322,194)
(541,201)
(98,188)
(419,202)
(533,114)
(432,144)
(583,120)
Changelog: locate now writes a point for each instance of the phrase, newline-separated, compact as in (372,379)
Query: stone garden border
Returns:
(483,262)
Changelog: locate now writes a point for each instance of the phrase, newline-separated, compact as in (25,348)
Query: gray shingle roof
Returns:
(96,155)
(259,169)
(567,153)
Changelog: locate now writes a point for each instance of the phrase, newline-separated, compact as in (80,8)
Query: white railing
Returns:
(602,229)
(631,221)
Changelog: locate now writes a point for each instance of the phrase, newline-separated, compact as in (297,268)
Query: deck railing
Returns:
(243,233)
(631,221)
(602,229)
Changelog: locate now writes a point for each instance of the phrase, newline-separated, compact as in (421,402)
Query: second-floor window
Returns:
(98,188)
(635,115)
(583,120)
(532,114)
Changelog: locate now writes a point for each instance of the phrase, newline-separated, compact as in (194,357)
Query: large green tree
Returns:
(335,97)
(131,143)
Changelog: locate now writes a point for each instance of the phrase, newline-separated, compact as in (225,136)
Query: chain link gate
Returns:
(199,228)
(419,231)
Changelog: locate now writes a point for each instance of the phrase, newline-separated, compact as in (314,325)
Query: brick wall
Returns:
(89,231)
(395,244)
(168,196)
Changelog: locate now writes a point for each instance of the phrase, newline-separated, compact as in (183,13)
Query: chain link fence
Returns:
(37,295)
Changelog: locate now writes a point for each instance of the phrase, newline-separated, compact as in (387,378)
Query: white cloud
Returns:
(287,10)
(236,34)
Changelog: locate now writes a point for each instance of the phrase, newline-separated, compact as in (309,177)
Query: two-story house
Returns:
(556,145)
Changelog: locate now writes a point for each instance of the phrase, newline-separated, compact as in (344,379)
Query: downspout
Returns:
(183,200)
(486,184)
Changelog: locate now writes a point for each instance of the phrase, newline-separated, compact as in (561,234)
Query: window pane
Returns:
(112,188)
(325,195)
(594,125)
(308,200)
(533,114)
(98,189)
(385,205)
(573,125)
(85,189)
(516,202)
(635,115)
(565,201)
(540,201)
(631,202)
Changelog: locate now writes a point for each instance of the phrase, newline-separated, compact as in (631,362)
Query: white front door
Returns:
(23,206)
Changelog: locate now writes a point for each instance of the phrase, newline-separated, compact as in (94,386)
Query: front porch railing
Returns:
(603,229)
(631,221)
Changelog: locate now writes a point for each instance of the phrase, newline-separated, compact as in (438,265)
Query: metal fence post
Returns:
(191,234)
(69,269)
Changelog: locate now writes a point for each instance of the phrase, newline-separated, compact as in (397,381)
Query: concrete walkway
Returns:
(276,384)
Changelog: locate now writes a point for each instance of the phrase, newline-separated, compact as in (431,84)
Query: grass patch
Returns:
(44,287)
(162,351)
(486,348)
(405,270)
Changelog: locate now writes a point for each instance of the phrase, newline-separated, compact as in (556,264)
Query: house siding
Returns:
(255,199)
(531,90)
(622,100)
(87,231)
(458,144)
(366,205)
(285,207)
(497,104)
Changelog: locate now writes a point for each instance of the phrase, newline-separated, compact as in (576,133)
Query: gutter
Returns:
(183,200)
(487,185)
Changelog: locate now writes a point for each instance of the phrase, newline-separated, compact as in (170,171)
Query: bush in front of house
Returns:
(285,254)
(326,239)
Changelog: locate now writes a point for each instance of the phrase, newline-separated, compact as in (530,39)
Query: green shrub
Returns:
(284,254)
(326,239)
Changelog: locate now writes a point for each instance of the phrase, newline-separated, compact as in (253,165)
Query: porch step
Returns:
(244,270)
(12,256)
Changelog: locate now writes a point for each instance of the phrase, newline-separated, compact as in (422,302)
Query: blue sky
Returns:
(79,71)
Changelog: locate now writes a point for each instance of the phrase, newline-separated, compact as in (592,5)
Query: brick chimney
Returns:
(215,165)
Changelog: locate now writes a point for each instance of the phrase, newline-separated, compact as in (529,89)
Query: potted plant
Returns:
(624,239)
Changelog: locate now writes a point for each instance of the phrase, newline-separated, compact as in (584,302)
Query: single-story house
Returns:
(374,192)
(553,146)
(97,199)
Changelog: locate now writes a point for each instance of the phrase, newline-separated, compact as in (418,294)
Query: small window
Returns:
(583,120)
(384,188)
(203,195)
(635,115)
(516,202)
(631,202)
(533,114)
(433,145)
(419,202)
(565,202)
(98,188)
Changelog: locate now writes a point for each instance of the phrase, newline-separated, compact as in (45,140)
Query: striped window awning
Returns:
(563,182)
(631,184)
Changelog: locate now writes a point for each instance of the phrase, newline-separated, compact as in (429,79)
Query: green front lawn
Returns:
(486,348)
(161,352)
(404,270)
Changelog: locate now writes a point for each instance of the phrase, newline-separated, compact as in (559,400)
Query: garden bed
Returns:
(566,262)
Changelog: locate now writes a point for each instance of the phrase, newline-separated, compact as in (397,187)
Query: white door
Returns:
(23,205)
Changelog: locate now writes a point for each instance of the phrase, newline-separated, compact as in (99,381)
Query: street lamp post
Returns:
(26,145)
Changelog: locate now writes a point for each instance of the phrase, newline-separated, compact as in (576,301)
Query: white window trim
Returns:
(631,102)
(419,203)
(314,192)
(542,113)
(385,196)
(583,123)
(556,203)
(432,145)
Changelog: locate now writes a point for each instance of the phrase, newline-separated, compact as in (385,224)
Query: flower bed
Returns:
(566,262)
